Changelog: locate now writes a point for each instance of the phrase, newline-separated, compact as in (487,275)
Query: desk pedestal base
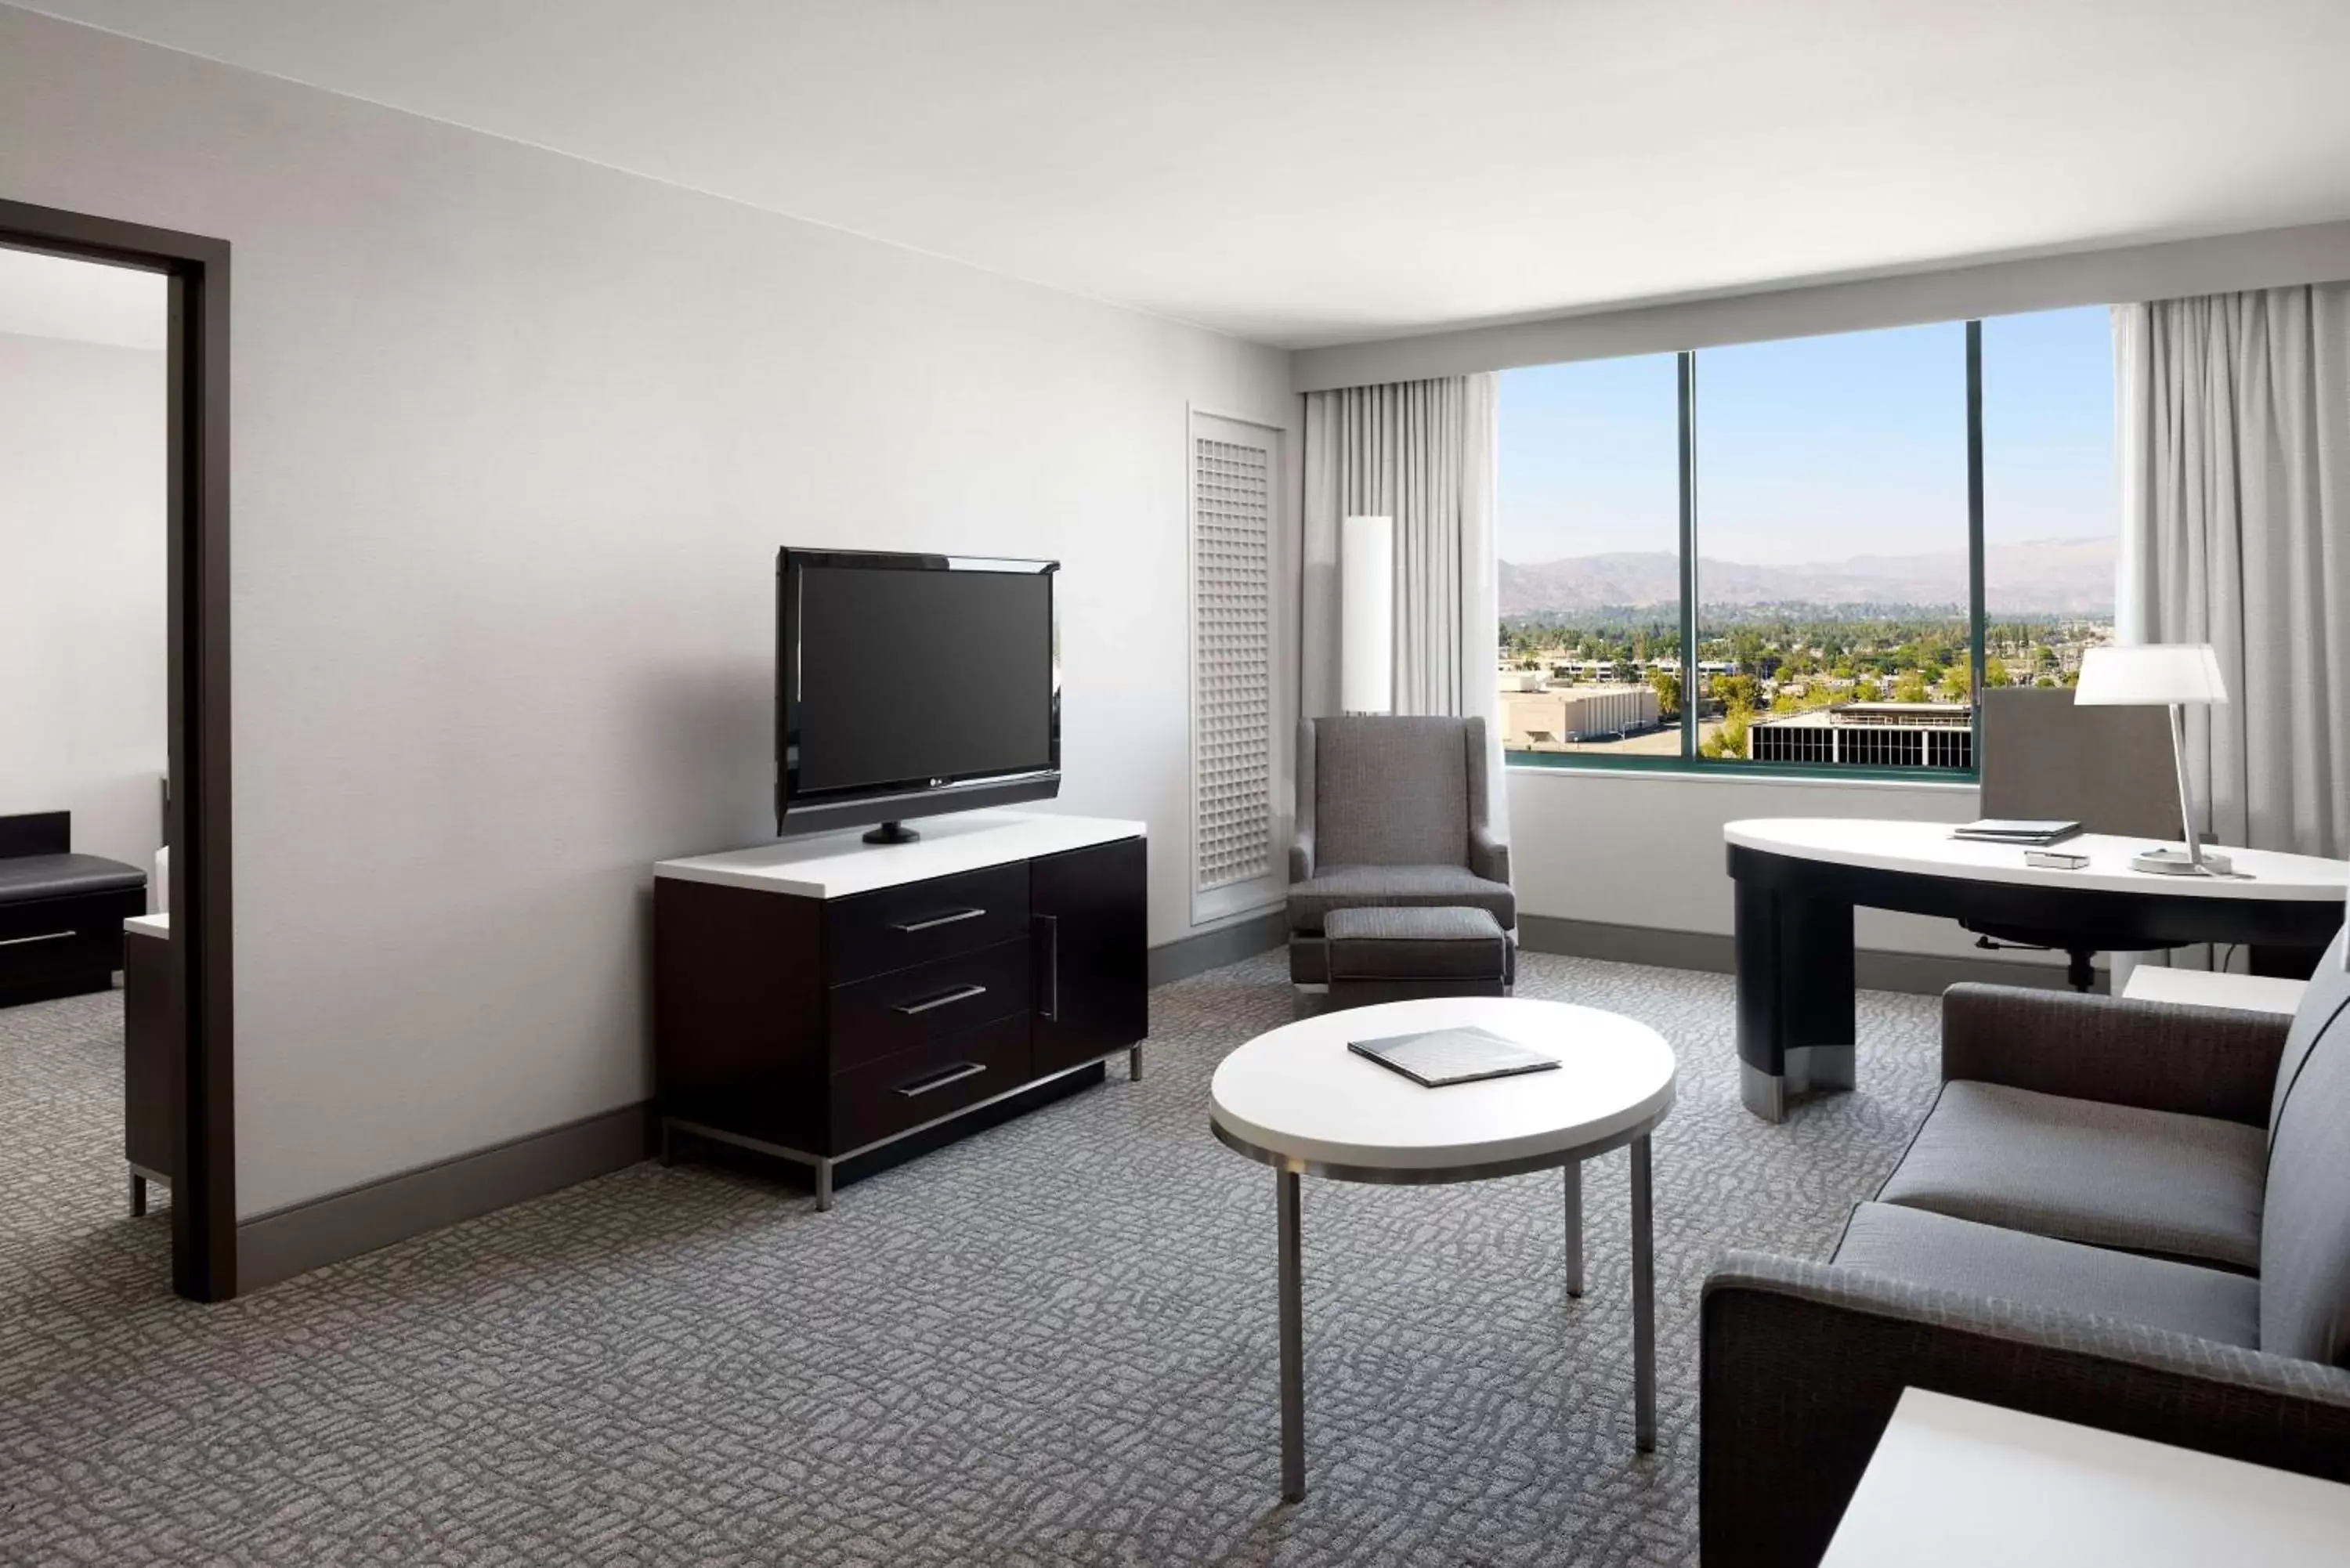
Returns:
(1808,1068)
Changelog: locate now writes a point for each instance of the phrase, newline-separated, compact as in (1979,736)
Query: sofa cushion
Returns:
(1941,1254)
(2081,1170)
(24,877)
(2305,1239)
(1364,886)
(1446,942)
(1391,791)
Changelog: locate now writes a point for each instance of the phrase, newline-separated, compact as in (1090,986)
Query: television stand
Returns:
(816,1001)
(891,833)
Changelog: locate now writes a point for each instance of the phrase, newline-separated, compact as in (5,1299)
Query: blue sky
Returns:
(1817,449)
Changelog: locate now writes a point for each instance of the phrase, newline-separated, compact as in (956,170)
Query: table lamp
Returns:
(2160,674)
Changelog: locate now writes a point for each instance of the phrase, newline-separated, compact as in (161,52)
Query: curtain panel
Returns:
(1421,453)
(2232,426)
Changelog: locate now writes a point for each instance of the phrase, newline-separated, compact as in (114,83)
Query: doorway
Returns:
(192,979)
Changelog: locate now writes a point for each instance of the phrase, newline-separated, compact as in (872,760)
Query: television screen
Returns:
(910,673)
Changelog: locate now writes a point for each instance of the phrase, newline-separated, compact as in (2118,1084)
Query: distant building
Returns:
(1867,735)
(1532,720)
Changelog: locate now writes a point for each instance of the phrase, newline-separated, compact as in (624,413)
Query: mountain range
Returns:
(2042,576)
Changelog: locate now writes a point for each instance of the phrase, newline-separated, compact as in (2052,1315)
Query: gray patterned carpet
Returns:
(1051,1343)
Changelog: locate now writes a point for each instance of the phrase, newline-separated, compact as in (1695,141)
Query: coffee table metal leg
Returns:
(1575,1227)
(1293,1340)
(1644,1304)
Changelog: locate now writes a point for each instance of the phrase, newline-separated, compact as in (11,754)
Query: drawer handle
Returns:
(935,922)
(44,936)
(940,1079)
(943,999)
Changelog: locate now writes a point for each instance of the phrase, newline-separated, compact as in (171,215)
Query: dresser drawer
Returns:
(908,1007)
(933,1079)
(873,933)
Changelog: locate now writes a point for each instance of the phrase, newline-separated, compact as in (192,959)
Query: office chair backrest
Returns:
(2110,769)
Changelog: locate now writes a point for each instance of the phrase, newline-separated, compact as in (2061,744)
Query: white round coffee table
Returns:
(1298,1099)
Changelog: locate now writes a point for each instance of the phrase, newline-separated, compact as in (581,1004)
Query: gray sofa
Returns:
(2128,1215)
(1390,814)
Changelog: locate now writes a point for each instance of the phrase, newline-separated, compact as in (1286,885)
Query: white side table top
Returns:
(836,865)
(1957,1483)
(2208,987)
(1928,848)
(147,926)
(1299,1093)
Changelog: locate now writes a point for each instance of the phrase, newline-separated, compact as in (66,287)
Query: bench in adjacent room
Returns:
(61,914)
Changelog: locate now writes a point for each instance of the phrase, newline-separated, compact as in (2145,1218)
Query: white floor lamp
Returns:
(1366,616)
(2161,674)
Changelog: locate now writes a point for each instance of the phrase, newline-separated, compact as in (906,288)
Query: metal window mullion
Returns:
(1975,544)
(1686,364)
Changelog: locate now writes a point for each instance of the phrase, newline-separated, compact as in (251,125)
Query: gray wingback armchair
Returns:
(1390,813)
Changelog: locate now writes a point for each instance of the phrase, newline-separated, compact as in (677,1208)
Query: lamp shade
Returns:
(2150,674)
(1366,616)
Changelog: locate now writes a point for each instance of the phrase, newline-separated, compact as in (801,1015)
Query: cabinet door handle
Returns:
(953,1073)
(44,936)
(949,918)
(1052,1010)
(943,999)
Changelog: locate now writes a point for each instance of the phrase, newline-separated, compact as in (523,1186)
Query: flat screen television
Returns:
(909,685)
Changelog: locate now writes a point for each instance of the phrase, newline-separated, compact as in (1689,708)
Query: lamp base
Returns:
(2175,862)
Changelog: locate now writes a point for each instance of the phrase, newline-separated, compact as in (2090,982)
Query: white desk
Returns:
(1799,879)
(1955,1484)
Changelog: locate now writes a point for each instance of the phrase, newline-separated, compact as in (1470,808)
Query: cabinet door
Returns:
(1090,933)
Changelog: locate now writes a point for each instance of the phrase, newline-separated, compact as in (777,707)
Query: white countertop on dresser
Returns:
(836,865)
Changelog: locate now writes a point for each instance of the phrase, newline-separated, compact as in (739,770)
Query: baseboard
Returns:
(1187,956)
(1872,968)
(310,1235)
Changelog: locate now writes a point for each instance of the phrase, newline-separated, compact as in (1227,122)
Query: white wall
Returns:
(82,613)
(1644,848)
(515,438)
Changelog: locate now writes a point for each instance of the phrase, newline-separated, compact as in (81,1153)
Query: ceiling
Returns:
(1304,171)
(82,302)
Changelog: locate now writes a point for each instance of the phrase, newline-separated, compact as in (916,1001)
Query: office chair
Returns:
(2107,768)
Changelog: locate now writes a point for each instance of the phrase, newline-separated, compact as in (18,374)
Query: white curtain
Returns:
(1421,453)
(2233,424)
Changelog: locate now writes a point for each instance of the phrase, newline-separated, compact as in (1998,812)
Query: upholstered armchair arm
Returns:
(1301,844)
(1802,1362)
(1488,856)
(1301,858)
(2159,1057)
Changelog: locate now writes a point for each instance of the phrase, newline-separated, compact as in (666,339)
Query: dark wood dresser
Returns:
(819,999)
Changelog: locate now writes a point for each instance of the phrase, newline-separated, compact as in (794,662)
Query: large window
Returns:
(1780,555)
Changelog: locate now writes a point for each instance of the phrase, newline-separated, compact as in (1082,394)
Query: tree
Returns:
(1910,687)
(1668,683)
(1730,740)
(1996,673)
(1738,693)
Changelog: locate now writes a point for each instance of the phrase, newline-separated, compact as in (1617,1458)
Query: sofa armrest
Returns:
(1802,1364)
(2158,1055)
(1488,856)
(1301,858)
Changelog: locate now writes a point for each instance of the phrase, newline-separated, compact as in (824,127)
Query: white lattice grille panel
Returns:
(1233,614)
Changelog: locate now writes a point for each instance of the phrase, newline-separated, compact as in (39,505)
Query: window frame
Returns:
(1689,763)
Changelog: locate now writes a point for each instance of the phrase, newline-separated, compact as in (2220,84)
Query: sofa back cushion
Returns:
(1391,790)
(2305,1216)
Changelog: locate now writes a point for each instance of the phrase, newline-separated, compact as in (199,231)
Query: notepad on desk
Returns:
(1443,1056)
(2016,830)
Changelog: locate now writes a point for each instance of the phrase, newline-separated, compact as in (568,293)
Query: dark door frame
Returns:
(203,1199)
